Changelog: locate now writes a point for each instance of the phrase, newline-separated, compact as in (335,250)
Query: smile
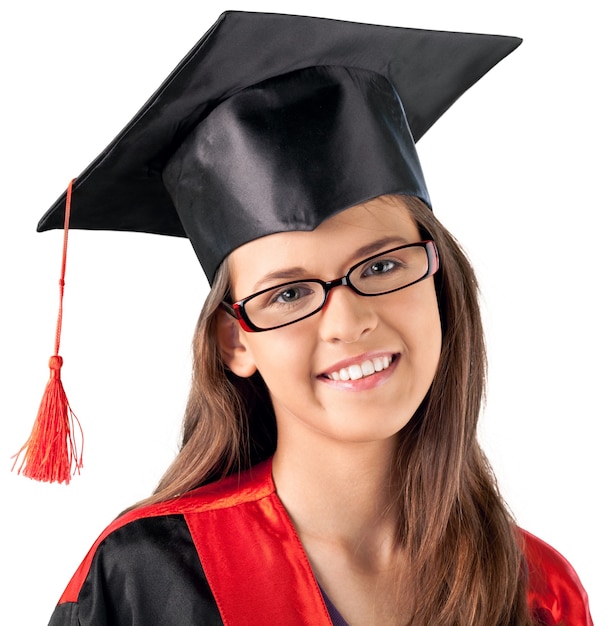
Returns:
(361,370)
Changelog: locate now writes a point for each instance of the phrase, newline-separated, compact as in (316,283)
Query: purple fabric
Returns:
(336,618)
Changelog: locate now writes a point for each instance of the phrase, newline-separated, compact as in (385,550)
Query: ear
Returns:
(235,354)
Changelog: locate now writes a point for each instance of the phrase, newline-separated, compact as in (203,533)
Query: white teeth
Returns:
(355,372)
(367,368)
(381,363)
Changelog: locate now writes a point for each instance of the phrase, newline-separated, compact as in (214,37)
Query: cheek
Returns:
(428,343)
(433,324)
(418,312)
(280,356)
(433,330)
(421,329)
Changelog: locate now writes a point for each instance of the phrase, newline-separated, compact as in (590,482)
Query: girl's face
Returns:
(398,333)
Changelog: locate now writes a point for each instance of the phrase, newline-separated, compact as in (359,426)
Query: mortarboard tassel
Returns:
(51,454)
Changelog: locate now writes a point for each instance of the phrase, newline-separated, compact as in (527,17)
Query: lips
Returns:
(356,371)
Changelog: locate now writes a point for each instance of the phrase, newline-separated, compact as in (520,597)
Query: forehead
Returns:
(369,218)
(330,245)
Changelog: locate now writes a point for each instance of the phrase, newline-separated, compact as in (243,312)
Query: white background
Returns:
(516,169)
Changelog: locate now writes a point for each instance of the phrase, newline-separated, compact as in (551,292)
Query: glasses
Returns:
(292,302)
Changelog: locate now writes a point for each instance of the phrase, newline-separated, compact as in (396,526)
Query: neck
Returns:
(339,494)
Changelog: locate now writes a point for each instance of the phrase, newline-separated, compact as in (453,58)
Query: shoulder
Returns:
(247,486)
(556,594)
(160,533)
(241,488)
(144,572)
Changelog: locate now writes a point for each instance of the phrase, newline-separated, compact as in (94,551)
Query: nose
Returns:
(346,316)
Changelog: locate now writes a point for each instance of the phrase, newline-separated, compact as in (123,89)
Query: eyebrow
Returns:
(377,246)
(298,272)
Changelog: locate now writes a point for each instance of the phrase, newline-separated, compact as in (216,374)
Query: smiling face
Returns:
(357,370)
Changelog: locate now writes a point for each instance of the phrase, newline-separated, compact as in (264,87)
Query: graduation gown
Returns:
(227,553)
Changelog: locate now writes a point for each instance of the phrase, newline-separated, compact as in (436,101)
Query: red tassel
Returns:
(51,454)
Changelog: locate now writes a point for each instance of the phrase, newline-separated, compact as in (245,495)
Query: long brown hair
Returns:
(464,562)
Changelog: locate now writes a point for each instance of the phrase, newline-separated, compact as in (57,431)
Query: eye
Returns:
(290,294)
(378,267)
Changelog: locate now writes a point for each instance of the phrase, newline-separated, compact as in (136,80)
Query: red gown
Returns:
(227,553)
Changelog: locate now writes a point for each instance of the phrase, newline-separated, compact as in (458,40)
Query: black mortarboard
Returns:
(276,122)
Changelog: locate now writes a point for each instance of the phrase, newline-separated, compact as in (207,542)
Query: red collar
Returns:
(253,559)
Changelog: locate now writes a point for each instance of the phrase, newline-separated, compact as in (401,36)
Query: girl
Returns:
(329,469)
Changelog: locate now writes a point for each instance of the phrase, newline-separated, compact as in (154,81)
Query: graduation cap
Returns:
(274,123)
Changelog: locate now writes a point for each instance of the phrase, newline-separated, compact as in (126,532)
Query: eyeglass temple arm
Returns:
(229,309)
(235,311)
